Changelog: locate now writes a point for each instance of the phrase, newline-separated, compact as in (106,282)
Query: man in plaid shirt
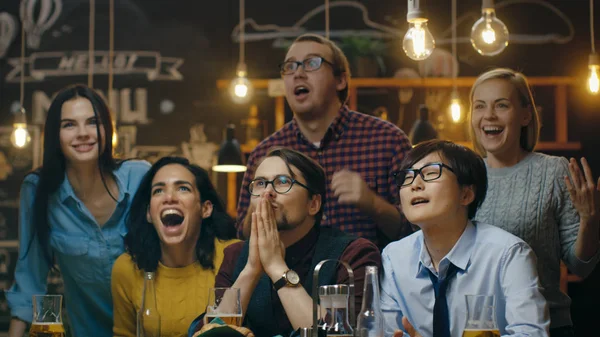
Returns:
(359,153)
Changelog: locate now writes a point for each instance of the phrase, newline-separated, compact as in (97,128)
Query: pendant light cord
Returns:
(242,31)
(91,60)
(22,77)
(454,57)
(111,50)
(327,19)
(592,26)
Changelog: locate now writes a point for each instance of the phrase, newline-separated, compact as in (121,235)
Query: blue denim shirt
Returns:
(85,252)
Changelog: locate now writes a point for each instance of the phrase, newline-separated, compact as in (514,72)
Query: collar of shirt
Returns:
(66,191)
(335,130)
(459,255)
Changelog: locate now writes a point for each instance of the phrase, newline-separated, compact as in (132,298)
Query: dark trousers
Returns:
(563,331)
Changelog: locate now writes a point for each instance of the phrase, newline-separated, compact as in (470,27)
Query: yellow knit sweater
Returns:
(181,293)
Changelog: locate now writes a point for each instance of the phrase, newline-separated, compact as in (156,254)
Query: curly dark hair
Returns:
(142,241)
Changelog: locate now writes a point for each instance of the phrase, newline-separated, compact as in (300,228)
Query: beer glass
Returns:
(225,304)
(47,316)
(481,316)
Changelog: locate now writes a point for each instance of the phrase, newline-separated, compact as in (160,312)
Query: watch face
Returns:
(292,277)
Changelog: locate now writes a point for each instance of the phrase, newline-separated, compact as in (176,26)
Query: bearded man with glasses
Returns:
(273,269)
(358,152)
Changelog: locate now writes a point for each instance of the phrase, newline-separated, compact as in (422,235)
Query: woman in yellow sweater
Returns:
(177,228)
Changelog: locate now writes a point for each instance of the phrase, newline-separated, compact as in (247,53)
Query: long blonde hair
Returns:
(529,133)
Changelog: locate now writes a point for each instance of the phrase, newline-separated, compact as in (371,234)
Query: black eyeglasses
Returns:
(428,172)
(281,184)
(310,64)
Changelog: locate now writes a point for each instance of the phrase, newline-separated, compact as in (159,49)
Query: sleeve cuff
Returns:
(22,313)
(583,268)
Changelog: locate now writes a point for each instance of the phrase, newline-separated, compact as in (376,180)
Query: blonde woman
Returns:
(545,200)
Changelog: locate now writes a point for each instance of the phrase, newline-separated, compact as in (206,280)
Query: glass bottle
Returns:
(148,319)
(369,322)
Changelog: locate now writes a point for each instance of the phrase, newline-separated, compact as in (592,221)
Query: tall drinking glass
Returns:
(225,304)
(47,316)
(481,316)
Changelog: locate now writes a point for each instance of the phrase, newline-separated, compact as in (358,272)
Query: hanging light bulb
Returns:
(418,42)
(455,108)
(240,88)
(489,35)
(20,136)
(593,81)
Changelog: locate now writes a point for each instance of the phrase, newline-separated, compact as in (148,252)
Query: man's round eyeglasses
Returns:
(309,64)
(428,172)
(281,184)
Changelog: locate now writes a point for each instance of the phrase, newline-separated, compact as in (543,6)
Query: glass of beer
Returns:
(47,316)
(224,303)
(481,316)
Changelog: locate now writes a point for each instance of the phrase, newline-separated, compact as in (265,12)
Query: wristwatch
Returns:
(290,278)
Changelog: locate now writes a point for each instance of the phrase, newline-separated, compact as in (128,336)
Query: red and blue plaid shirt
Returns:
(355,141)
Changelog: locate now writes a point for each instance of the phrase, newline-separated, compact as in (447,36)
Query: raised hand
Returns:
(350,188)
(584,192)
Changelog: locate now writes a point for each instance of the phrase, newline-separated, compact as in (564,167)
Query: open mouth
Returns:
(492,130)
(171,218)
(301,91)
(418,201)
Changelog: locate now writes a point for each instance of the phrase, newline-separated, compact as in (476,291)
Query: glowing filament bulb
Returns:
(488,35)
(455,110)
(593,82)
(20,136)
(241,90)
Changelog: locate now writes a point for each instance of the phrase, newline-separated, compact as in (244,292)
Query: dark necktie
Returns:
(441,319)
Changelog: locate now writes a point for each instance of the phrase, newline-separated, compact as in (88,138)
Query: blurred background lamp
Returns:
(240,88)
(229,158)
(594,65)
(422,130)
(455,107)
(20,136)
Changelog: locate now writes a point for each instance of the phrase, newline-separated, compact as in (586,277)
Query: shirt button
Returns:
(324,217)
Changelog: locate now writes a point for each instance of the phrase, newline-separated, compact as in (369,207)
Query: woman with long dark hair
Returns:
(72,212)
(177,228)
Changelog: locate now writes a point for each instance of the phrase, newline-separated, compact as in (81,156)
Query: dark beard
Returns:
(283,224)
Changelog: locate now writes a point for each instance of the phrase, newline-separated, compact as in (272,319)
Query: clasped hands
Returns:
(266,251)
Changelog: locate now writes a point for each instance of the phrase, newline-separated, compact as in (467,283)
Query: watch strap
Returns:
(282,282)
